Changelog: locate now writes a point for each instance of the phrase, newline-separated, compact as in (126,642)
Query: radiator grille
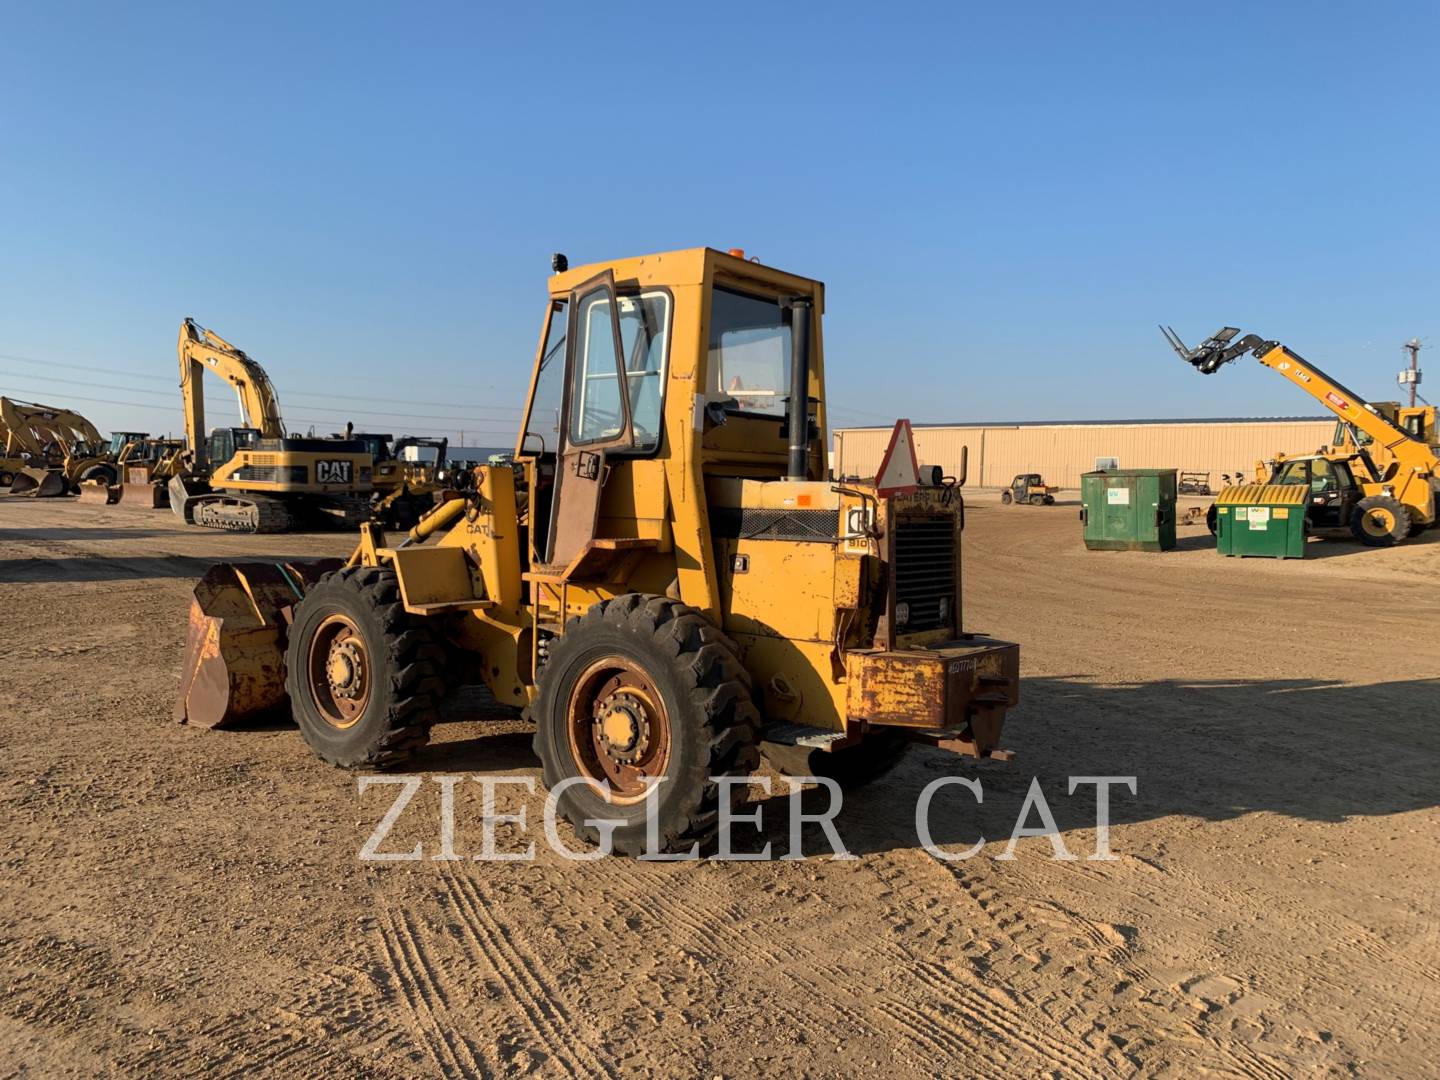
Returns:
(925,571)
(731,523)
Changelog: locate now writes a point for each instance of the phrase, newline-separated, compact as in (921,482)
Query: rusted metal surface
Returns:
(341,672)
(234,666)
(959,688)
(618,727)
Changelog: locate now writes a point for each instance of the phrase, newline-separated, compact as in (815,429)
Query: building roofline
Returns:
(1097,423)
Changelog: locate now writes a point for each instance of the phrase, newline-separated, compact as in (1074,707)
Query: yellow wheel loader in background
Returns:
(405,489)
(59,449)
(256,478)
(1379,479)
(667,580)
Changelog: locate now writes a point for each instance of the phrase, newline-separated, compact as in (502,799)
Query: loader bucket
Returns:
(99,492)
(39,483)
(141,489)
(148,495)
(234,669)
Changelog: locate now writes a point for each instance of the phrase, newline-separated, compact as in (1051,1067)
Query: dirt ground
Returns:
(178,900)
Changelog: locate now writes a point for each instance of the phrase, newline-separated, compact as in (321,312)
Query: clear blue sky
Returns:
(365,196)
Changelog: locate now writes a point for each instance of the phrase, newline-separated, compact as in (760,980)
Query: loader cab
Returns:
(121,439)
(647,359)
(1332,487)
(377,445)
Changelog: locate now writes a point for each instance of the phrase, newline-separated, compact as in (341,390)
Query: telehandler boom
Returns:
(667,580)
(1397,493)
(257,478)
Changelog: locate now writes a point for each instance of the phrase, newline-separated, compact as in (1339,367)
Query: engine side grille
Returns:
(752,523)
(925,570)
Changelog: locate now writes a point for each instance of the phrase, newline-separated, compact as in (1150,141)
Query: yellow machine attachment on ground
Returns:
(1384,488)
(667,580)
(257,478)
(59,449)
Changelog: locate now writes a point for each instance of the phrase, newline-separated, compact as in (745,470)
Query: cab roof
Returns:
(685,267)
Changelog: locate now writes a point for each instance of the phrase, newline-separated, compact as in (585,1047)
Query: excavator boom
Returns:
(200,350)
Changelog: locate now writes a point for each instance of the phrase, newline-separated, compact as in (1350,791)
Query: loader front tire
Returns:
(364,677)
(639,689)
(1380,521)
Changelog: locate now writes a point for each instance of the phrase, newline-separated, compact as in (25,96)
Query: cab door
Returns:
(595,417)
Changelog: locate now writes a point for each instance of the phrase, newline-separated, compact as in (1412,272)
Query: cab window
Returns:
(749,352)
(595,409)
(542,426)
(645,341)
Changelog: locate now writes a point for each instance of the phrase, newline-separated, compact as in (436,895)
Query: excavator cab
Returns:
(225,443)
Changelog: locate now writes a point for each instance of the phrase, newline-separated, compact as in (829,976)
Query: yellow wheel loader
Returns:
(256,478)
(405,489)
(666,580)
(59,448)
(1379,480)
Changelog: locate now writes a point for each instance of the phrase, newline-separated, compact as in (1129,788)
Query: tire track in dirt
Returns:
(415,976)
(540,1008)
(1110,950)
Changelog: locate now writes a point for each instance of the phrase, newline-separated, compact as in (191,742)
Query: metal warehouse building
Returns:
(1062,451)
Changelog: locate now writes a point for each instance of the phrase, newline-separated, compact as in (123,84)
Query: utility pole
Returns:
(1411,376)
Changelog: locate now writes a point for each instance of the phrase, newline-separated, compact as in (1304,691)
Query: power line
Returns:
(461,425)
(289,393)
(466,419)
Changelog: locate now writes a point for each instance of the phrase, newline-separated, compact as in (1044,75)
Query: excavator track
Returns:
(237,513)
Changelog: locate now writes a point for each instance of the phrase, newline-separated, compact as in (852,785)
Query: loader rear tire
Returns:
(103,471)
(850,767)
(364,677)
(641,688)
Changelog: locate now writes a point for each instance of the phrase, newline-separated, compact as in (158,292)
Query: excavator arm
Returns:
(201,350)
(1410,455)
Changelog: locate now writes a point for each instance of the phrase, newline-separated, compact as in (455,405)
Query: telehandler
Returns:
(256,478)
(667,581)
(1384,487)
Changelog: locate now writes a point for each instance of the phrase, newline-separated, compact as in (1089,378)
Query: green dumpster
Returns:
(1128,509)
(1261,519)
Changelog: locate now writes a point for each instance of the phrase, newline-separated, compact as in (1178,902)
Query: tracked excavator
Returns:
(256,478)
(668,580)
(1378,479)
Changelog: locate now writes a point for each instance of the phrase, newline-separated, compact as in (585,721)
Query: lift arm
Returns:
(1410,454)
(200,349)
(30,427)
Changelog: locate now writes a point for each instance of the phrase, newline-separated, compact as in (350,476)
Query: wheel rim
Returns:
(1377,521)
(618,728)
(341,674)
